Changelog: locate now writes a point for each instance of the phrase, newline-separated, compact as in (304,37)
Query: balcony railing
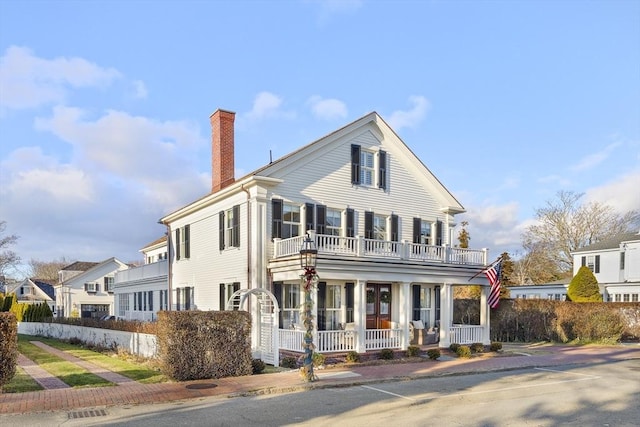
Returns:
(146,271)
(361,247)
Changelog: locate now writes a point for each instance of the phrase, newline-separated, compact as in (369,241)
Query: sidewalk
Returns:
(131,393)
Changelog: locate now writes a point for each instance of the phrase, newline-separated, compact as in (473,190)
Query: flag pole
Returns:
(485,269)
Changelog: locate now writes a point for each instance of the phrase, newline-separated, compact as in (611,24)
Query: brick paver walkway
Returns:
(134,393)
(42,377)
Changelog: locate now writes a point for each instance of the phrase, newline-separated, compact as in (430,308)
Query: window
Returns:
(184,298)
(91,287)
(123,305)
(291,305)
(421,304)
(592,262)
(367,170)
(422,232)
(634,297)
(108,284)
(164,299)
(625,298)
(290,220)
(226,290)
(183,242)
(379,227)
(333,225)
(333,306)
(230,228)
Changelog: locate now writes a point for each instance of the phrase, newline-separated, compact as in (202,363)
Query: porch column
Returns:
(404,313)
(484,315)
(446,314)
(360,314)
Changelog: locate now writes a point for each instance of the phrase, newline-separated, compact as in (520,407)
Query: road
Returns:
(586,395)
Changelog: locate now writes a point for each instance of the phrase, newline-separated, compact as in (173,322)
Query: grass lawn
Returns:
(21,383)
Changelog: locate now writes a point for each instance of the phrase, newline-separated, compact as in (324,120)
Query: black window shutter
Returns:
(439,233)
(321,219)
(417,230)
(105,280)
(177,243)
(177,299)
(355,164)
(597,264)
(415,293)
(351,232)
(135,302)
(308,216)
(187,298)
(187,241)
(86,287)
(140,301)
(584,261)
(236,286)
(349,301)
(382,170)
(150,300)
(221,230)
(276,218)
(322,306)
(394,227)
(277,292)
(236,226)
(368,225)
(222,297)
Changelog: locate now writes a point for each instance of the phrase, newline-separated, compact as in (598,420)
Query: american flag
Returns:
(493,274)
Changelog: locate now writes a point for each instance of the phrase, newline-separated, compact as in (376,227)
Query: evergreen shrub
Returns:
(8,346)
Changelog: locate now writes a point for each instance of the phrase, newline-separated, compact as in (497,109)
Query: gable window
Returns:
(367,166)
(367,170)
(183,242)
(290,220)
(230,228)
(108,284)
(91,287)
(592,262)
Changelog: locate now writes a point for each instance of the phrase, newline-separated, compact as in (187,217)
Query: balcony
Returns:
(359,247)
(146,271)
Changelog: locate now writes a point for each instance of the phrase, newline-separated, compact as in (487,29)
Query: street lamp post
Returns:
(308,259)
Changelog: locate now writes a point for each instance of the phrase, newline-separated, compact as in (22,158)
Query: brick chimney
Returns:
(222,153)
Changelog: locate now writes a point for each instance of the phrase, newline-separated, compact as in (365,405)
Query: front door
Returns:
(378,306)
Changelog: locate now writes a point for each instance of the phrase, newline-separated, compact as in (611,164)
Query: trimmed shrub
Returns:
(386,354)
(353,357)
(477,347)
(257,366)
(495,346)
(584,287)
(8,347)
(454,347)
(413,351)
(289,362)
(433,353)
(463,351)
(318,359)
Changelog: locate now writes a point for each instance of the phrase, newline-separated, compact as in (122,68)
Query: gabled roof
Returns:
(449,202)
(158,242)
(46,286)
(80,266)
(611,242)
(96,266)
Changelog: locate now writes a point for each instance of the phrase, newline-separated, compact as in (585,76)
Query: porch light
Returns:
(308,254)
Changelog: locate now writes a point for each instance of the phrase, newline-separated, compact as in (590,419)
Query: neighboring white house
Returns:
(616,264)
(140,292)
(34,291)
(85,289)
(382,222)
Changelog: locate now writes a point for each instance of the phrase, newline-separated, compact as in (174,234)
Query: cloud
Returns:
(139,89)
(621,193)
(593,160)
(401,119)
(493,226)
(27,81)
(327,109)
(327,9)
(267,105)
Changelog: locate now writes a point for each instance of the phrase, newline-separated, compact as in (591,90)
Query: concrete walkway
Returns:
(131,393)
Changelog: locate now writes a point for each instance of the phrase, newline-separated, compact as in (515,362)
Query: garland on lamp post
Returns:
(308,258)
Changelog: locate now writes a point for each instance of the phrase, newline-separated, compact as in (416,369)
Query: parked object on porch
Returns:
(421,335)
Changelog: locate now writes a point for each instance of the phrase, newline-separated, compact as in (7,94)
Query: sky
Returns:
(105,105)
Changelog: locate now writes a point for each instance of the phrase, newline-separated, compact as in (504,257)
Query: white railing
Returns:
(146,271)
(377,339)
(290,339)
(331,341)
(465,334)
(361,247)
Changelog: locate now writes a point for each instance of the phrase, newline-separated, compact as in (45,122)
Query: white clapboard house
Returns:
(383,225)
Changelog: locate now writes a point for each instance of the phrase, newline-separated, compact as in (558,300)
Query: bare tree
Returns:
(8,258)
(47,270)
(565,224)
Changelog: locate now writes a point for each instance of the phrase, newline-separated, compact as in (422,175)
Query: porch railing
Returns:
(331,341)
(377,339)
(361,247)
(465,334)
(291,339)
